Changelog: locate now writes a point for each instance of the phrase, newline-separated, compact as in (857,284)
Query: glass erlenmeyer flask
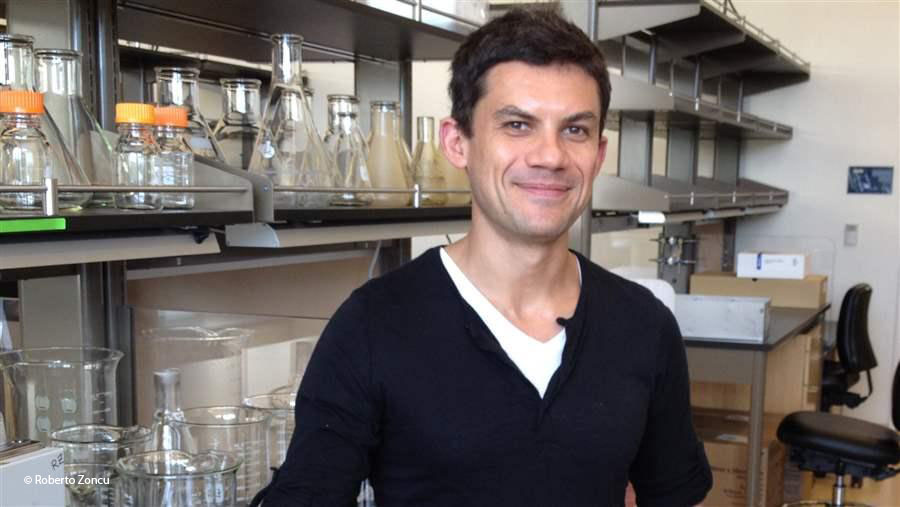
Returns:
(239,126)
(16,62)
(427,172)
(55,387)
(405,154)
(347,148)
(59,79)
(179,86)
(167,384)
(456,179)
(385,161)
(27,157)
(288,149)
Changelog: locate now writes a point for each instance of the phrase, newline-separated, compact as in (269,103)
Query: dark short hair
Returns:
(535,36)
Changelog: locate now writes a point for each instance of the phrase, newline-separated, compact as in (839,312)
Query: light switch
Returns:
(851,234)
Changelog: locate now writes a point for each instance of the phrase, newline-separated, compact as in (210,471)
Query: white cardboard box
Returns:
(722,317)
(772,265)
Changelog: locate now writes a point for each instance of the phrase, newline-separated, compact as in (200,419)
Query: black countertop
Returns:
(784,323)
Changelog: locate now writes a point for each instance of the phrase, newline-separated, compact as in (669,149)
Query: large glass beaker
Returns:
(45,389)
(91,451)
(288,149)
(178,479)
(59,79)
(234,429)
(281,425)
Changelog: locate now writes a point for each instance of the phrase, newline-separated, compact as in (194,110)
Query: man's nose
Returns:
(548,152)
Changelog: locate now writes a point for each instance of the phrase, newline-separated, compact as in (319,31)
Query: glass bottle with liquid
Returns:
(347,147)
(176,161)
(180,86)
(426,168)
(288,149)
(137,156)
(59,79)
(239,126)
(27,157)
(385,159)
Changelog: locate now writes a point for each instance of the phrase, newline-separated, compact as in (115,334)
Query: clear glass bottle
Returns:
(16,62)
(137,156)
(427,171)
(176,161)
(347,147)
(239,126)
(27,157)
(179,86)
(59,79)
(288,149)
(385,161)
(167,384)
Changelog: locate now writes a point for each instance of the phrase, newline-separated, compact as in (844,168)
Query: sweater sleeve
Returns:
(671,468)
(336,417)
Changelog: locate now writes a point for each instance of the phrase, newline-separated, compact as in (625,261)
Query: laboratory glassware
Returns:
(427,172)
(178,479)
(347,148)
(167,387)
(385,160)
(175,161)
(16,62)
(180,86)
(280,407)
(239,126)
(27,157)
(288,149)
(405,154)
(234,429)
(90,451)
(55,387)
(137,156)
(59,79)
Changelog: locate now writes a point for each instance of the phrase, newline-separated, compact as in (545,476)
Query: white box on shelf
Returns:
(791,266)
(722,317)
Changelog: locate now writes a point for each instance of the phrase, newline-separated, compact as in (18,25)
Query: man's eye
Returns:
(577,131)
(516,125)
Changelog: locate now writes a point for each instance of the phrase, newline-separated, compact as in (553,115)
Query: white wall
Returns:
(847,114)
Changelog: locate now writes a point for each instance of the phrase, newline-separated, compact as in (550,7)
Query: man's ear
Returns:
(454,143)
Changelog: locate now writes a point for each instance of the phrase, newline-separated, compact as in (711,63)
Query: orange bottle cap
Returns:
(173,116)
(134,112)
(21,101)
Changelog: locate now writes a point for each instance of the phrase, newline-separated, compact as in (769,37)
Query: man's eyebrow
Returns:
(584,115)
(507,111)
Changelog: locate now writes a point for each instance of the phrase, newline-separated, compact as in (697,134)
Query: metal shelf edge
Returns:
(259,235)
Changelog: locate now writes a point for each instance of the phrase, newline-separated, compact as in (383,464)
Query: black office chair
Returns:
(854,351)
(842,445)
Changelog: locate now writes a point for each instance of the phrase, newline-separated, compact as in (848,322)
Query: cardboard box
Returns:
(723,317)
(811,292)
(724,436)
(772,265)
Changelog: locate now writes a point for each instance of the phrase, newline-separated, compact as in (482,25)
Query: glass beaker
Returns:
(55,387)
(427,172)
(385,159)
(91,451)
(239,126)
(180,86)
(234,429)
(27,156)
(199,354)
(16,62)
(280,408)
(178,479)
(288,149)
(59,79)
(347,147)
(137,156)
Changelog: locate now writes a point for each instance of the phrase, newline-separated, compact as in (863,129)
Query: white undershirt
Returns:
(535,359)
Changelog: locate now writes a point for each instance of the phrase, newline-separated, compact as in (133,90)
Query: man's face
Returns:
(535,149)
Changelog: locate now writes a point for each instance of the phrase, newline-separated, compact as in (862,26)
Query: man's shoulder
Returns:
(617,288)
(409,283)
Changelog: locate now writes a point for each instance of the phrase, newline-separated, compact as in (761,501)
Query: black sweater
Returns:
(409,388)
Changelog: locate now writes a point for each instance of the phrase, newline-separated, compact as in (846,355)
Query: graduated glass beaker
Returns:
(238,430)
(178,479)
(347,148)
(58,74)
(180,86)
(45,389)
(239,126)
(90,452)
(281,425)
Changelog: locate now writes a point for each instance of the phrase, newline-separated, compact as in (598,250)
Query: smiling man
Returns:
(504,370)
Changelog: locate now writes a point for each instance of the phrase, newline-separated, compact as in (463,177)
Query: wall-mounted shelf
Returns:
(260,235)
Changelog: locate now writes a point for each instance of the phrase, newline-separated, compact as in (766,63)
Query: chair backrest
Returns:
(854,347)
(895,398)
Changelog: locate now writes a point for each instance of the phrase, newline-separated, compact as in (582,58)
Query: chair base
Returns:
(837,497)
